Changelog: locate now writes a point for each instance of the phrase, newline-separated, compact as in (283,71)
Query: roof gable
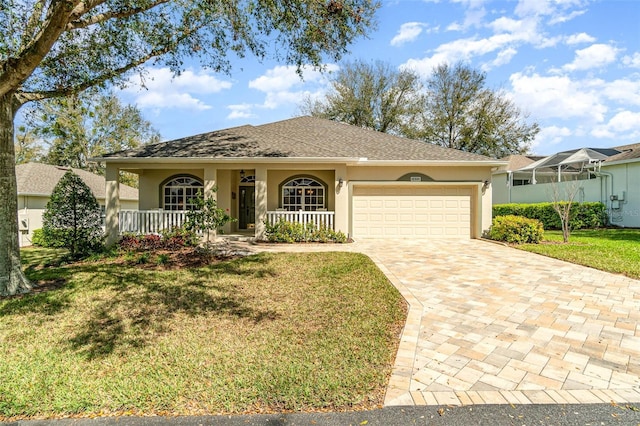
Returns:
(40,179)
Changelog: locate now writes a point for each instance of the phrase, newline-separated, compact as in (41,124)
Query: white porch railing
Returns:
(154,221)
(149,221)
(320,219)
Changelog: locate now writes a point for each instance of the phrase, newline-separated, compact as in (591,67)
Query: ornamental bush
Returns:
(38,239)
(583,215)
(172,239)
(283,231)
(516,229)
(72,218)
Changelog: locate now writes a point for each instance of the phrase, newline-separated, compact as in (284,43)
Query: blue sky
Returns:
(572,65)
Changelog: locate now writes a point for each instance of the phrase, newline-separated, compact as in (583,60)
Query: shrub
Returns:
(40,240)
(72,217)
(179,236)
(283,231)
(206,216)
(173,239)
(516,229)
(583,215)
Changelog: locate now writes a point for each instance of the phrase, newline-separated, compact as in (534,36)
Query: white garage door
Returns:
(411,212)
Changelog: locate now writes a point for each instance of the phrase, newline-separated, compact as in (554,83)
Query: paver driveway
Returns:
(490,324)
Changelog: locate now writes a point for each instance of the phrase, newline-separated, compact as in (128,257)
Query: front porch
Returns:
(254,195)
(156,221)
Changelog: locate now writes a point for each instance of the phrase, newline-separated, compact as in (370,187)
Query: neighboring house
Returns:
(361,182)
(35,184)
(608,175)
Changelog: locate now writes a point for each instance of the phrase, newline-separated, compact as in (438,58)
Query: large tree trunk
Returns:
(12,279)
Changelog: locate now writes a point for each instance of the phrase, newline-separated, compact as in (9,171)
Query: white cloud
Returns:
(474,14)
(579,38)
(282,87)
(503,58)
(559,97)
(551,135)
(283,78)
(240,111)
(623,125)
(625,91)
(632,61)
(158,89)
(594,56)
(559,18)
(408,32)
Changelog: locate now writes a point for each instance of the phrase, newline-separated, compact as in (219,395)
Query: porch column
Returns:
(210,182)
(341,208)
(112,204)
(210,191)
(261,201)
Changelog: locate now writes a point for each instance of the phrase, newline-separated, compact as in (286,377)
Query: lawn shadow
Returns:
(140,303)
(145,303)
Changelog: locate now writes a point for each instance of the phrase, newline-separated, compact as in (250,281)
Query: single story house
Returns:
(35,183)
(608,175)
(364,183)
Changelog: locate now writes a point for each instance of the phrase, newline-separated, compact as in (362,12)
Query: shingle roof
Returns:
(40,179)
(518,161)
(301,137)
(628,152)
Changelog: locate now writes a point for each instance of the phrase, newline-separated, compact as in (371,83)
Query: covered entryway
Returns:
(411,212)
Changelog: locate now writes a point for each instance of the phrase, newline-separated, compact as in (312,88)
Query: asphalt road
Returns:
(494,415)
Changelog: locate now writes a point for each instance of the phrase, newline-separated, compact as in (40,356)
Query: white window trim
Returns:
(305,184)
(188,188)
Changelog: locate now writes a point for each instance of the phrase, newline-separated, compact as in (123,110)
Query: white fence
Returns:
(320,219)
(154,221)
(149,221)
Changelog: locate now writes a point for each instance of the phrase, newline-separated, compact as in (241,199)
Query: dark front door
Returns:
(247,216)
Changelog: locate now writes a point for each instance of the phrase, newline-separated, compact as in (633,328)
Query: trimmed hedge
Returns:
(283,231)
(516,229)
(583,215)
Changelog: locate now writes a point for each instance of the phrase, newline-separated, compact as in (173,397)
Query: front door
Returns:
(247,216)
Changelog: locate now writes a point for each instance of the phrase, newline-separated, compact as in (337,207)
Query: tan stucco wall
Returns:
(228,181)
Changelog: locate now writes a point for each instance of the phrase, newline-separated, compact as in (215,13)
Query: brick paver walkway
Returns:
(490,324)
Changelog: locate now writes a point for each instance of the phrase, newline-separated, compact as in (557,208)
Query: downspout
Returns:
(600,173)
(510,183)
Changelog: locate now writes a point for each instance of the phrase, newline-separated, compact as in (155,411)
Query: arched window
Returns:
(179,192)
(303,193)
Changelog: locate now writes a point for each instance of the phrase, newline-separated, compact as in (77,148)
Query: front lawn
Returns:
(263,333)
(611,250)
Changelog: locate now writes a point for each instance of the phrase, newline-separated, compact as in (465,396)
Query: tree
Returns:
(86,125)
(206,216)
(27,147)
(562,202)
(370,95)
(58,48)
(461,113)
(72,217)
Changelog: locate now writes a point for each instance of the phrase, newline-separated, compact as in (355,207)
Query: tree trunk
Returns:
(12,279)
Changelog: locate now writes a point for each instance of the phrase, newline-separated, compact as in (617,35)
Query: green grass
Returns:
(269,332)
(611,250)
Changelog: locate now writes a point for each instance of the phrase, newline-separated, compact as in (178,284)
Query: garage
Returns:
(411,212)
